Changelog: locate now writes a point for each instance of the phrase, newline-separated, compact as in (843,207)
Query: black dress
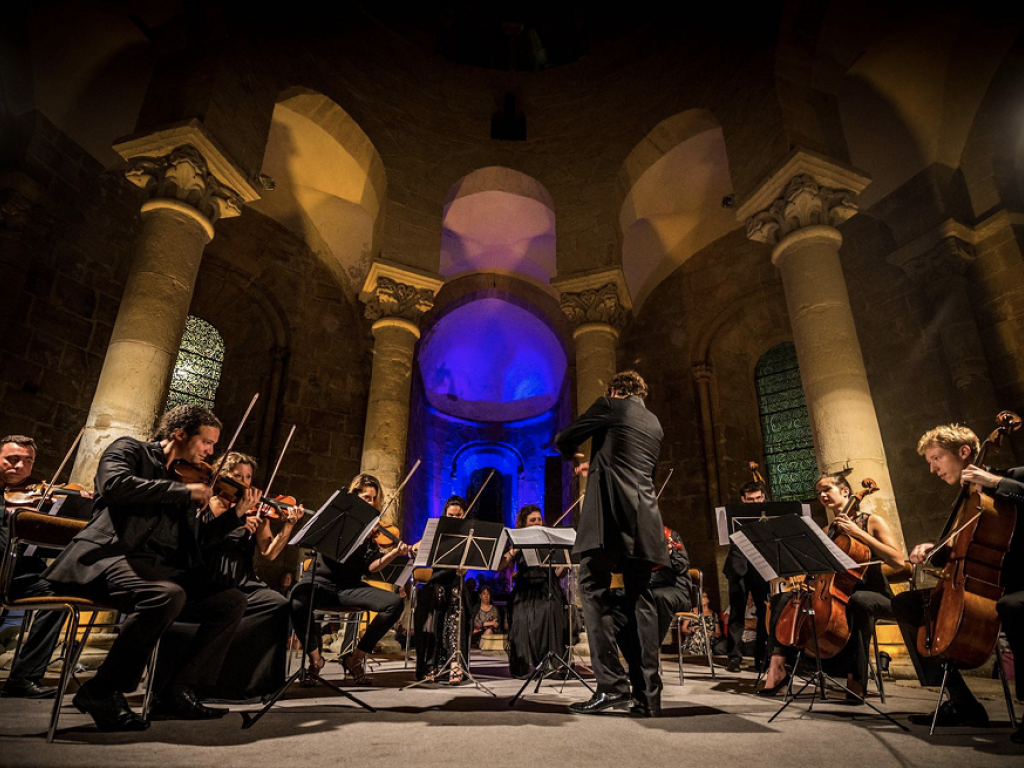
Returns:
(255,662)
(538,618)
(436,622)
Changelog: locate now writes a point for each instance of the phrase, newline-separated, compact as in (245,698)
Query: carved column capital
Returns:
(184,175)
(808,189)
(804,203)
(945,251)
(394,291)
(703,372)
(594,305)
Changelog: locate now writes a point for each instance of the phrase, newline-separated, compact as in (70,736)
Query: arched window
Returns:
(197,371)
(788,447)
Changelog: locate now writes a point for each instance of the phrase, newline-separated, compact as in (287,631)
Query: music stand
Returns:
(334,532)
(791,546)
(547,548)
(459,544)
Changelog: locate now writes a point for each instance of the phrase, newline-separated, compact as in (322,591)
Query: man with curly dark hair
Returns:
(140,554)
(620,531)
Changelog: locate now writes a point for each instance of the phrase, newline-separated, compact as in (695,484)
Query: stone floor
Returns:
(708,722)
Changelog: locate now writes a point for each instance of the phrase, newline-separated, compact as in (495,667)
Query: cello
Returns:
(814,619)
(961,625)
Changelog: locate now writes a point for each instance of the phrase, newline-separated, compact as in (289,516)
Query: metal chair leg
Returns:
(679,642)
(147,697)
(66,668)
(1006,686)
(878,662)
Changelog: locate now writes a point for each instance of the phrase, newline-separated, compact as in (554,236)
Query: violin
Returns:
(30,495)
(200,472)
(386,536)
(814,619)
(276,508)
(961,624)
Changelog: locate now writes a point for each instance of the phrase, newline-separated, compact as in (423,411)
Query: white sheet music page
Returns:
(423,556)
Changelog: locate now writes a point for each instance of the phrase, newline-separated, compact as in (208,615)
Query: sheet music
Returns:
(722,522)
(297,537)
(406,574)
(754,556)
(764,568)
(423,556)
(542,536)
(499,550)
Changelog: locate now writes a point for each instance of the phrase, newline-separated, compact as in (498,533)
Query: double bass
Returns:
(814,619)
(961,624)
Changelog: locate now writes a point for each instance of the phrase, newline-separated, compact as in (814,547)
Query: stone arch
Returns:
(673,185)
(330,182)
(499,220)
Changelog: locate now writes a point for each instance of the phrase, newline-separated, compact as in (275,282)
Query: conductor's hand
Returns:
(582,469)
(200,493)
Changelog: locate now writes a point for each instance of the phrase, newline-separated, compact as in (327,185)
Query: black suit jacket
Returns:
(135,498)
(1011,490)
(620,512)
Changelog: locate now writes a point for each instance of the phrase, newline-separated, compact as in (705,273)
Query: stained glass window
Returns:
(788,447)
(197,370)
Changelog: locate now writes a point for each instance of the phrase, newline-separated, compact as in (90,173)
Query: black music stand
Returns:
(334,532)
(460,544)
(553,550)
(792,546)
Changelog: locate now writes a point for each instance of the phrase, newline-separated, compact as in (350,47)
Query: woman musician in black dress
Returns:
(341,584)
(834,492)
(538,610)
(436,619)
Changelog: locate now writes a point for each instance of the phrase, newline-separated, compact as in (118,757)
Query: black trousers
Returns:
(864,607)
(909,607)
(669,601)
(153,595)
(387,605)
(38,645)
(739,588)
(628,621)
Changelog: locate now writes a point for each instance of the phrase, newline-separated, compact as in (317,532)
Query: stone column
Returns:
(596,306)
(811,197)
(186,199)
(938,262)
(396,297)
(702,374)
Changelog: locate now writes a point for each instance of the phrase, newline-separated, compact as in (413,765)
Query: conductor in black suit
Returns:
(620,531)
(140,554)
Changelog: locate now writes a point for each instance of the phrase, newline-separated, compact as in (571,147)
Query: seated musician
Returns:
(671,586)
(436,618)
(255,663)
(341,583)
(141,555)
(834,492)
(17,457)
(950,451)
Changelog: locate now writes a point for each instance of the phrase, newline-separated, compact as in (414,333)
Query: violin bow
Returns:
(280,458)
(570,509)
(49,485)
(401,485)
(238,431)
(477,497)
(658,496)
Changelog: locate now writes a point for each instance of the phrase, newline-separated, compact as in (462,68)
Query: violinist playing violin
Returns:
(341,583)
(255,662)
(951,451)
(140,554)
(17,458)
(834,493)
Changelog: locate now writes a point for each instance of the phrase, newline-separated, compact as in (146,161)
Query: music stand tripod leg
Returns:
(249,720)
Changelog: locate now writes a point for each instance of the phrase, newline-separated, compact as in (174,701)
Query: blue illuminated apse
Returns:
(490,390)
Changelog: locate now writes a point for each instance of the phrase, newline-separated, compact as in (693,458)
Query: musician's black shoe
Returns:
(599,702)
(779,686)
(179,703)
(110,713)
(734,665)
(1017,737)
(647,707)
(27,689)
(953,716)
